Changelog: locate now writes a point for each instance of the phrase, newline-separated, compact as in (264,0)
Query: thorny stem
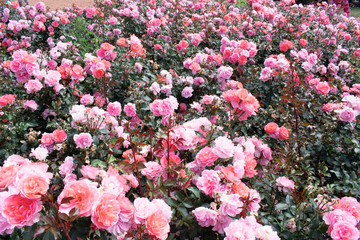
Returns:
(296,115)
(136,165)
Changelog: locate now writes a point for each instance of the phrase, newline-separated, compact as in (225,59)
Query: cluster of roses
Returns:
(348,110)
(105,202)
(277,132)
(243,103)
(232,198)
(274,65)
(22,184)
(237,51)
(343,219)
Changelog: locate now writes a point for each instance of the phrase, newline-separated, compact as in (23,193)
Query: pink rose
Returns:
(59,136)
(83,140)
(20,211)
(323,88)
(206,156)
(187,92)
(344,230)
(158,226)
(47,139)
(161,107)
(231,205)
(209,182)
(223,147)
(285,184)
(52,78)
(91,172)
(86,99)
(130,110)
(31,104)
(347,114)
(67,166)
(224,73)
(81,194)
(152,170)
(106,211)
(205,217)
(114,108)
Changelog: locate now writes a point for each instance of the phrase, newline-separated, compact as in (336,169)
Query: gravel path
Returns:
(59,4)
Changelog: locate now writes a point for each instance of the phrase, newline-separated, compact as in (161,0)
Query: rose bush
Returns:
(179,120)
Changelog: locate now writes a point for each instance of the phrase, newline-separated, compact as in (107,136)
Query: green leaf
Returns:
(184,212)
(171,202)
(179,196)
(188,204)
(281,206)
(195,191)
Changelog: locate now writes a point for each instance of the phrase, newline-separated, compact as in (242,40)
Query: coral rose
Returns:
(106,211)
(158,226)
(80,194)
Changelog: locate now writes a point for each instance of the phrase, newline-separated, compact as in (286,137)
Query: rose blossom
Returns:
(223,147)
(20,211)
(83,140)
(209,182)
(158,226)
(67,166)
(39,153)
(59,136)
(33,86)
(322,88)
(130,110)
(344,230)
(114,108)
(205,217)
(81,194)
(285,184)
(206,156)
(86,99)
(152,170)
(31,104)
(105,212)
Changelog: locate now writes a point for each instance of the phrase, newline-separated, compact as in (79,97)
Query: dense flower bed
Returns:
(179,120)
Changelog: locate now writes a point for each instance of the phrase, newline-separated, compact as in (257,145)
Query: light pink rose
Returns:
(285,184)
(67,166)
(223,147)
(231,205)
(143,209)
(91,172)
(161,107)
(47,139)
(152,170)
(209,182)
(205,217)
(52,78)
(33,86)
(87,99)
(206,156)
(323,88)
(83,140)
(39,153)
(346,114)
(31,104)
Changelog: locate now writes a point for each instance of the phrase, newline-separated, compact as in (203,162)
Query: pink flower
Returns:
(344,230)
(86,99)
(40,6)
(283,133)
(158,226)
(187,92)
(31,104)
(224,73)
(81,194)
(143,209)
(223,147)
(91,172)
(205,217)
(59,136)
(39,153)
(152,170)
(209,182)
(350,205)
(67,166)
(114,108)
(266,232)
(323,88)
(105,212)
(230,205)
(161,107)
(32,180)
(206,157)
(130,110)
(52,78)
(285,184)
(285,45)
(47,139)
(182,45)
(83,140)
(20,211)
(271,128)
(243,228)
(33,86)
(330,218)
(6,99)
(346,114)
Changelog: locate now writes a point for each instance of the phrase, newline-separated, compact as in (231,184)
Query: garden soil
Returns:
(59,4)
